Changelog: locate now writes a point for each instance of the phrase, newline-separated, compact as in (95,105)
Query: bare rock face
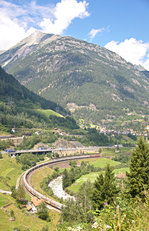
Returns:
(61,143)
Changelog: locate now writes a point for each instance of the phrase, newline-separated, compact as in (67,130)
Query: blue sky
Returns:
(119,25)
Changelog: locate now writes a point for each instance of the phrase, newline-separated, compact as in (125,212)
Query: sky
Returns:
(118,25)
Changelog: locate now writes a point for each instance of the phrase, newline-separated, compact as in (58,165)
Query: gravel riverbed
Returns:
(57,186)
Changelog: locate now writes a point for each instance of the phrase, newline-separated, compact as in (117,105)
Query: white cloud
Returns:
(94,32)
(134,51)
(64,12)
(17,22)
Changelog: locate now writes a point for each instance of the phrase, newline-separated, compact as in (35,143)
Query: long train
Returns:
(47,200)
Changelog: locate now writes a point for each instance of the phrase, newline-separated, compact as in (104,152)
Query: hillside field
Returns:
(92,177)
(49,112)
(101,162)
(23,221)
(10,171)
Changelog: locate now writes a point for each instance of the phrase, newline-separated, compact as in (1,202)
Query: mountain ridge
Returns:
(71,71)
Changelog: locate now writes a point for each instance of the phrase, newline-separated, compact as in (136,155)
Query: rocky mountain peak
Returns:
(34,38)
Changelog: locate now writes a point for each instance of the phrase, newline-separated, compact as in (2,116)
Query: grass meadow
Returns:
(9,172)
(23,220)
(49,112)
(92,177)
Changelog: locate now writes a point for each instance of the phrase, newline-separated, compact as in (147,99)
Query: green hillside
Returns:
(19,107)
(49,112)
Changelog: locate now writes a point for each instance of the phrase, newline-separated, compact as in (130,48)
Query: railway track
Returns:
(33,192)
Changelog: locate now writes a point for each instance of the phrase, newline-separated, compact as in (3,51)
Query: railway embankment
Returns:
(34,192)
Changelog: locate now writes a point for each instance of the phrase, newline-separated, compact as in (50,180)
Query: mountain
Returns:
(146,73)
(94,83)
(19,107)
(139,67)
(1,52)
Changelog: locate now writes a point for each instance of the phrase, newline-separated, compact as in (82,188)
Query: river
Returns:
(57,187)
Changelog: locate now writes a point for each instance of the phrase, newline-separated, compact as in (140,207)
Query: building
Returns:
(36,201)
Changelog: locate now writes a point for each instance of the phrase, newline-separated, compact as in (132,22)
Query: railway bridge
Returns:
(60,151)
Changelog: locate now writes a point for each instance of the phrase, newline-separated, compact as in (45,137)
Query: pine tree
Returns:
(105,189)
(138,178)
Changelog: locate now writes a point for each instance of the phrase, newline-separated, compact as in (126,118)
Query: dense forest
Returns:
(18,107)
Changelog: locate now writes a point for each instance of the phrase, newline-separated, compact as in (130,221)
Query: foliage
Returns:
(14,193)
(73,163)
(120,216)
(45,228)
(42,212)
(123,158)
(44,185)
(1,157)
(94,138)
(105,189)
(20,193)
(5,144)
(56,168)
(18,107)
(67,122)
(45,137)
(138,177)
(124,215)
(78,210)
(75,172)
(29,160)
(12,213)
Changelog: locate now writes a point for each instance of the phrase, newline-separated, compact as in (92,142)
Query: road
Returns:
(5,192)
(63,150)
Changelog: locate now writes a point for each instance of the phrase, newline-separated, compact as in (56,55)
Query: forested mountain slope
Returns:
(93,82)
(19,107)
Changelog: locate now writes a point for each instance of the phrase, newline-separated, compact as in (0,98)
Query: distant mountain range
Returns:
(94,83)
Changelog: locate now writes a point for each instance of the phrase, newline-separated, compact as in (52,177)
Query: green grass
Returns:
(92,177)
(49,112)
(9,172)
(38,176)
(23,221)
(4,199)
(97,162)
(101,162)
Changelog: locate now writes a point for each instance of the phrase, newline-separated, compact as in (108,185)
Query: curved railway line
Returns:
(33,192)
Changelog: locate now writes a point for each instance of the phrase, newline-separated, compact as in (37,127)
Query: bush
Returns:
(42,212)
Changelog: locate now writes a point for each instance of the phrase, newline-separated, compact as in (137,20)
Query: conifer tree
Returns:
(138,178)
(66,179)
(105,189)
(20,193)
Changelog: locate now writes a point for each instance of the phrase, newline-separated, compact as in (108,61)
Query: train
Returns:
(47,200)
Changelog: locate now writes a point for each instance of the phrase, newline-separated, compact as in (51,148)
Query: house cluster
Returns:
(125,132)
(31,206)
